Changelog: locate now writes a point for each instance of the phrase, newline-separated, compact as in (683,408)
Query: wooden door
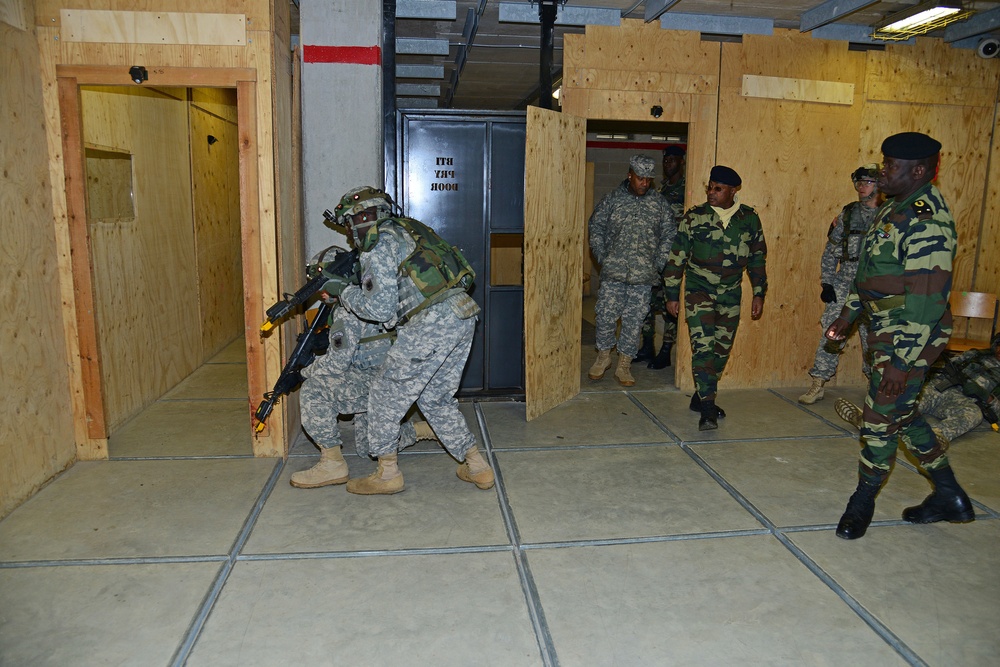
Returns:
(554,171)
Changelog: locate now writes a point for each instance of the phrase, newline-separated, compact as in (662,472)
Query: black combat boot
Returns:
(709,416)
(696,406)
(646,351)
(662,359)
(948,502)
(860,510)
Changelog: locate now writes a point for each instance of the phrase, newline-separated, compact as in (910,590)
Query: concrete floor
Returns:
(617,534)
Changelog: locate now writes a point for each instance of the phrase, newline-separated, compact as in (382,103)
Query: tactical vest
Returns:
(849,231)
(430,272)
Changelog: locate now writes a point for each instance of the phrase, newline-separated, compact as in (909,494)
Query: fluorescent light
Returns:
(919,19)
(926,16)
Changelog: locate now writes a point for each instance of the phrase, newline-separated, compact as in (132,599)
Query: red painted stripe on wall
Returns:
(349,55)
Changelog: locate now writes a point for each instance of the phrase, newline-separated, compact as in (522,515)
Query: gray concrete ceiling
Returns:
(501,69)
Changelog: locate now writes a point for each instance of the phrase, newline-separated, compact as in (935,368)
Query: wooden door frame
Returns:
(69,79)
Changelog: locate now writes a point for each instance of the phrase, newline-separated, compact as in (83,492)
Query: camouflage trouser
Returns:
(620,300)
(890,419)
(425,366)
(658,304)
(712,321)
(828,353)
(326,395)
(958,413)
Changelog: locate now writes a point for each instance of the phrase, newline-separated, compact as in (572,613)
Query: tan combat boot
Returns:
(476,469)
(624,371)
(849,412)
(385,481)
(815,392)
(602,364)
(331,469)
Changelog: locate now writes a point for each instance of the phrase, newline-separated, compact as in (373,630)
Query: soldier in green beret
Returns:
(903,282)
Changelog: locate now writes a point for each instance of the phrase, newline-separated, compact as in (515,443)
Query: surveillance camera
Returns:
(656,111)
(988,48)
(138,73)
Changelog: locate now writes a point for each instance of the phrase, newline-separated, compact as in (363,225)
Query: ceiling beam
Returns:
(655,9)
(718,25)
(422,47)
(426,9)
(830,11)
(523,12)
(977,24)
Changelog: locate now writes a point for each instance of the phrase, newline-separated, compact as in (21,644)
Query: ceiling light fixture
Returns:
(919,19)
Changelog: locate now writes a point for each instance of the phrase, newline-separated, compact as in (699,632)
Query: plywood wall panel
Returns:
(36,427)
(258,12)
(987,274)
(795,159)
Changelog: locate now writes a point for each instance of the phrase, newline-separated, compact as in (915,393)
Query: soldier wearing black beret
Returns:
(903,282)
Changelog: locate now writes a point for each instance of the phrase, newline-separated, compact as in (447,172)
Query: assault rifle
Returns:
(314,340)
(343,267)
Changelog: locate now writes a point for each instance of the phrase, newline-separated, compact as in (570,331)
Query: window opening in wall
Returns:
(506,259)
(109,186)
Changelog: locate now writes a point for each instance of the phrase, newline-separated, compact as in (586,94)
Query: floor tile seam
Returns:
(373,553)
(192,457)
(90,562)
(653,418)
(871,620)
(649,539)
(605,445)
(776,438)
(532,600)
(202,399)
(805,409)
(197,624)
(986,509)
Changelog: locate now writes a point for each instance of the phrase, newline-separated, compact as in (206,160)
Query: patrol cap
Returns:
(642,166)
(910,146)
(725,175)
(673,150)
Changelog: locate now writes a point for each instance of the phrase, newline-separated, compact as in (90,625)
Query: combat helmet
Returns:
(364,236)
(868,172)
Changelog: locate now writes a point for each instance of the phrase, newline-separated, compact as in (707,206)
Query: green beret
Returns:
(910,146)
(725,175)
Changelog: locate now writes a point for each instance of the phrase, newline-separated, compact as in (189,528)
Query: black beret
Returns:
(910,146)
(725,175)
(673,150)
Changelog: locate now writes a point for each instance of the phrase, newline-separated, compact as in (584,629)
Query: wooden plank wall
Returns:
(216,200)
(36,427)
(144,268)
(795,156)
(256,55)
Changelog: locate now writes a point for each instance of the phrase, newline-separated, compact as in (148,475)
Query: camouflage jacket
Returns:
(975,372)
(908,251)
(630,236)
(713,258)
(675,195)
(844,243)
(355,342)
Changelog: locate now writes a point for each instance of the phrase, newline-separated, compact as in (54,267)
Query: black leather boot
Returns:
(709,416)
(695,406)
(646,351)
(860,510)
(948,502)
(662,359)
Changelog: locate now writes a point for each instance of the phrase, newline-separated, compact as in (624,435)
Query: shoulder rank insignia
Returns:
(921,207)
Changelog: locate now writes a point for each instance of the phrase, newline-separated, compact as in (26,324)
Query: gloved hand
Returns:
(333,287)
(828,295)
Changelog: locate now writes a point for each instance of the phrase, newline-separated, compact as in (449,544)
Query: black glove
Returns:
(828,295)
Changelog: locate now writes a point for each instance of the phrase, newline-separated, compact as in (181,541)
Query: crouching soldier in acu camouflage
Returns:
(413,280)
(337,383)
(837,268)
(903,282)
(716,241)
(631,230)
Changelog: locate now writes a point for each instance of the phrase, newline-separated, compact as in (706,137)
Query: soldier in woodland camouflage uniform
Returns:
(837,268)
(337,383)
(673,189)
(903,282)
(412,280)
(716,241)
(631,230)
(960,393)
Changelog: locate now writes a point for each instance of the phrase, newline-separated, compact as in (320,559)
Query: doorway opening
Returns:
(610,146)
